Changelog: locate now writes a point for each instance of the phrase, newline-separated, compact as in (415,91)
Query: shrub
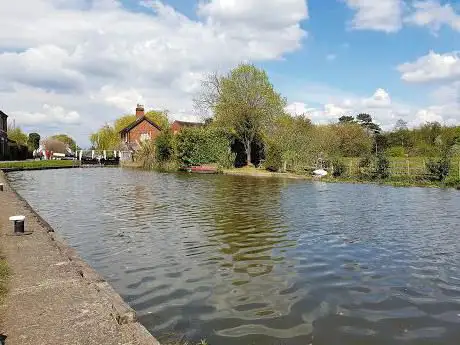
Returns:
(338,168)
(365,168)
(164,143)
(382,167)
(438,169)
(208,145)
(273,157)
(396,151)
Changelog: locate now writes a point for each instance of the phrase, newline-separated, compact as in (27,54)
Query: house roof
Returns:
(138,121)
(189,124)
(2,114)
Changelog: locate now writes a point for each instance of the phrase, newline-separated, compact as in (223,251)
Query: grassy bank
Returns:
(4,273)
(396,181)
(44,164)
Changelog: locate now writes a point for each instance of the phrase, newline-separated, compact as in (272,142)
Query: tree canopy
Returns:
(33,141)
(66,139)
(16,134)
(244,102)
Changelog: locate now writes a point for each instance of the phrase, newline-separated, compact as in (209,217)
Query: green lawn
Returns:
(38,164)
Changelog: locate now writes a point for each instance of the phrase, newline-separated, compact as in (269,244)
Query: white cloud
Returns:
(432,67)
(98,59)
(378,15)
(433,14)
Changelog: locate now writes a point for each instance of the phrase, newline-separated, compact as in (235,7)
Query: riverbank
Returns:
(38,165)
(395,182)
(53,296)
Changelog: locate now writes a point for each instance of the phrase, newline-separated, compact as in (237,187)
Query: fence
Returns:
(413,167)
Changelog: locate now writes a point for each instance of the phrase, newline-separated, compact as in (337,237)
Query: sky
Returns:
(71,66)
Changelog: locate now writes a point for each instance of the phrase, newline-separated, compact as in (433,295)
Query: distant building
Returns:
(178,125)
(4,154)
(140,130)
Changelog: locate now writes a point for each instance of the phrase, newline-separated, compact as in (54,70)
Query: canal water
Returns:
(240,260)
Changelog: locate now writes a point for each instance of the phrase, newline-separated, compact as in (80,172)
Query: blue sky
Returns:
(74,65)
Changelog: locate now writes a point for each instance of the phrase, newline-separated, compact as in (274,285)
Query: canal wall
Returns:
(54,296)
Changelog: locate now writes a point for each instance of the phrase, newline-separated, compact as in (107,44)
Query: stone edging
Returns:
(121,312)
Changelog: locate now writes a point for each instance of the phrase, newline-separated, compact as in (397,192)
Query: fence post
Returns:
(350,168)
(408,167)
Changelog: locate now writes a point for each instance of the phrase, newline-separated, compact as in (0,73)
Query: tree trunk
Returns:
(248,153)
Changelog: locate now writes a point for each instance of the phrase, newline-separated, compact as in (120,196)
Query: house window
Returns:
(145,136)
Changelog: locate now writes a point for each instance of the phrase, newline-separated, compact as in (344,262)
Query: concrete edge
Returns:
(122,313)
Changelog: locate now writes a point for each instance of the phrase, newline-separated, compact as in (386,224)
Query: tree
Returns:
(346,119)
(365,120)
(54,145)
(246,104)
(33,141)
(67,140)
(353,139)
(106,138)
(400,125)
(16,134)
(159,117)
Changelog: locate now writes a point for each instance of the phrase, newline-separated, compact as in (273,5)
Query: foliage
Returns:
(17,135)
(207,145)
(274,156)
(338,168)
(67,140)
(438,169)
(54,145)
(33,142)
(244,103)
(365,120)
(346,119)
(164,146)
(107,138)
(395,151)
(353,140)
(365,167)
(382,167)
(159,117)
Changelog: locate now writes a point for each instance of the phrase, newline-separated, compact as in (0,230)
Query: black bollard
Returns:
(18,224)
(1,187)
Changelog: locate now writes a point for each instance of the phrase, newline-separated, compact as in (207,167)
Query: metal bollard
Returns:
(18,224)
(1,187)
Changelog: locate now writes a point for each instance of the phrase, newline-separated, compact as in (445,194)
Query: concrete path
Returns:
(54,297)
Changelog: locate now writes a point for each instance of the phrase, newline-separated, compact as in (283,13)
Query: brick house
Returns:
(3,136)
(178,125)
(141,129)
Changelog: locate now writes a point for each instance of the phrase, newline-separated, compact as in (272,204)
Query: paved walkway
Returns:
(55,298)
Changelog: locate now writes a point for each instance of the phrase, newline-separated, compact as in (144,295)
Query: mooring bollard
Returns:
(1,187)
(18,222)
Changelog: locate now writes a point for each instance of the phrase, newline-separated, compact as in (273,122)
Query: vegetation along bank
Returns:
(249,126)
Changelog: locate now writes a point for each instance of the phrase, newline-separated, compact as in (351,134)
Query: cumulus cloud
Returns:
(432,67)
(48,113)
(98,59)
(432,14)
(383,15)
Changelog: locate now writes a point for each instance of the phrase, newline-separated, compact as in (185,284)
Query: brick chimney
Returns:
(140,111)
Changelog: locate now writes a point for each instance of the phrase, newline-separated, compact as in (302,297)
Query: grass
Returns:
(4,273)
(37,164)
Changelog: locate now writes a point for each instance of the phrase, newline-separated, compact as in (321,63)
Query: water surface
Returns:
(240,260)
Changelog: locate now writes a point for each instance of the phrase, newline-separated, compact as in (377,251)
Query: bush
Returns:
(338,168)
(438,169)
(365,168)
(396,151)
(273,157)
(382,167)
(196,146)
(164,143)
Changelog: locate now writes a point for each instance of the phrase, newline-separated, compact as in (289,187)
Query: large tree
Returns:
(244,102)
(33,141)
(16,134)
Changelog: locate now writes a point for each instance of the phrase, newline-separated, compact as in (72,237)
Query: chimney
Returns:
(140,111)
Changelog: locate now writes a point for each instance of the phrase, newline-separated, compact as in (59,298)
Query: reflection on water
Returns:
(241,260)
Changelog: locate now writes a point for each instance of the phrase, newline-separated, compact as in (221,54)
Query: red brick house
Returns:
(178,125)
(141,129)
(3,136)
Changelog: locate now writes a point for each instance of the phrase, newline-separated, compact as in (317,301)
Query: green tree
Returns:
(16,134)
(353,140)
(365,120)
(346,119)
(159,117)
(33,141)
(105,138)
(246,104)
